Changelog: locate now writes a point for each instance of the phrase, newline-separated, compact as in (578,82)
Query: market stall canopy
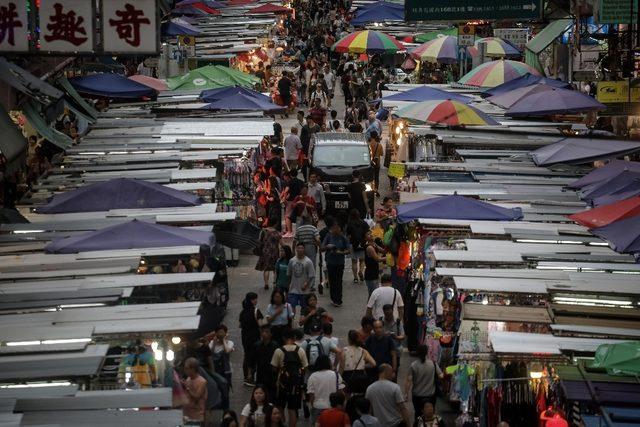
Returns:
(11,216)
(606,214)
(369,42)
(508,99)
(494,73)
(212,95)
(119,193)
(623,191)
(237,234)
(425,37)
(237,98)
(196,8)
(270,8)
(618,359)
(605,173)
(153,83)
(615,184)
(456,207)
(177,27)
(495,46)
(426,93)
(555,101)
(211,77)
(27,83)
(13,145)
(527,79)
(623,236)
(582,150)
(211,3)
(131,235)
(443,50)
(543,39)
(445,112)
(380,11)
(111,86)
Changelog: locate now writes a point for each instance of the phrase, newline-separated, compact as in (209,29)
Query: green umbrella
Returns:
(619,359)
(431,35)
(211,77)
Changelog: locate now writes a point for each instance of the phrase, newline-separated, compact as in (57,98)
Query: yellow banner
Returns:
(617,92)
(397,170)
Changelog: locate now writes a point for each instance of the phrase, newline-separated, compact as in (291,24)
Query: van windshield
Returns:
(337,155)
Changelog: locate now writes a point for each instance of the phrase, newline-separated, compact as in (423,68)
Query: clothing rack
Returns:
(511,379)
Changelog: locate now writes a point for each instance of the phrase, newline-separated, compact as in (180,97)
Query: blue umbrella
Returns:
(211,95)
(555,101)
(610,186)
(426,93)
(582,150)
(235,98)
(623,236)
(177,27)
(605,173)
(456,207)
(379,11)
(522,81)
(111,85)
(211,3)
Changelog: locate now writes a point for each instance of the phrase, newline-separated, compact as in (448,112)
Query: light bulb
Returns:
(176,340)
(170,355)
(158,355)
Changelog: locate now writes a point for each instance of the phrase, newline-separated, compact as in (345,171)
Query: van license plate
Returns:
(342,204)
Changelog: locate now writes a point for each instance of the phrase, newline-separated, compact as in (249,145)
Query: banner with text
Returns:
(465,10)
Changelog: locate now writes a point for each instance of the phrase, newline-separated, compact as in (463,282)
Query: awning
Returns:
(57,138)
(73,93)
(551,32)
(27,83)
(13,145)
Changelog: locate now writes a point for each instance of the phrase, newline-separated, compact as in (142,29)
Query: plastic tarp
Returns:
(456,207)
(237,99)
(131,235)
(57,138)
(425,37)
(623,236)
(554,101)
(79,100)
(613,185)
(119,193)
(628,190)
(270,8)
(27,83)
(111,86)
(379,11)
(426,93)
(211,95)
(543,39)
(604,173)
(177,27)
(212,77)
(13,145)
(211,3)
(618,359)
(523,81)
(606,214)
(582,150)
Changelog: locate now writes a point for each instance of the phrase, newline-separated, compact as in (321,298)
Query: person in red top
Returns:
(303,204)
(317,112)
(552,418)
(334,416)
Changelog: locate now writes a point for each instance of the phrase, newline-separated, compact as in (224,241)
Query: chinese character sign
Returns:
(14,30)
(66,25)
(130,26)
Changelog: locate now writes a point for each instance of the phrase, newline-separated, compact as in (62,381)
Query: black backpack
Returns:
(315,349)
(290,377)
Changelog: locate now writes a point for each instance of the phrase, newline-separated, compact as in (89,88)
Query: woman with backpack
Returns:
(279,315)
(312,317)
(356,230)
(355,359)
(257,411)
(250,317)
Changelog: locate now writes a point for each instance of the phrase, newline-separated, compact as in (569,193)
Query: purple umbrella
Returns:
(131,235)
(526,80)
(211,3)
(582,150)
(604,173)
(610,186)
(118,193)
(627,191)
(556,101)
(623,236)
(456,207)
(426,93)
(508,99)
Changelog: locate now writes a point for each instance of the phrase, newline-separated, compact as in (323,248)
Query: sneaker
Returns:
(248,383)
(355,281)
(335,304)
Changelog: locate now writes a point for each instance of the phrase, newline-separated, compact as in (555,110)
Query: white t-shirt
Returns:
(322,384)
(382,296)
(258,415)
(291,146)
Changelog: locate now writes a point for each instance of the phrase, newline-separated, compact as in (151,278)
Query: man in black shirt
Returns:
(261,360)
(358,194)
(305,139)
(284,88)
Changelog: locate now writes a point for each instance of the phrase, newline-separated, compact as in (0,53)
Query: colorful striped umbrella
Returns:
(494,73)
(367,41)
(443,50)
(445,112)
(495,46)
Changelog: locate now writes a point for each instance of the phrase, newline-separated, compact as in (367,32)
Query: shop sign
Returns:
(14,26)
(611,92)
(397,170)
(516,36)
(466,35)
(66,26)
(130,26)
(464,10)
(617,12)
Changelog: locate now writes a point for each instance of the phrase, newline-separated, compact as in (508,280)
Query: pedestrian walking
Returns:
(268,250)
(301,273)
(336,246)
(385,294)
(249,319)
(387,401)
(279,315)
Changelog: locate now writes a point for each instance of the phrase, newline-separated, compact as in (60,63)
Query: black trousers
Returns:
(376,177)
(334,275)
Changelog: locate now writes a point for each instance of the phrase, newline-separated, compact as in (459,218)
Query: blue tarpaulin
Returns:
(456,207)
(379,11)
(554,101)
(623,236)
(236,98)
(604,173)
(131,235)
(111,86)
(582,150)
(525,80)
(616,183)
(177,27)
(426,93)
(119,193)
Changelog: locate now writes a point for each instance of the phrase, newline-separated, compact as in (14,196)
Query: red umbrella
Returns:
(156,84)
(606,214)
(203,7)
(408,39)
(270,8)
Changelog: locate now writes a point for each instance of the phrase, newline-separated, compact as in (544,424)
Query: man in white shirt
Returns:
(385,294)
(330,80)
(292,147)
(321,384)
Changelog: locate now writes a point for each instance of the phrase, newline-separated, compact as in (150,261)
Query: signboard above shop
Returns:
(70,27)
(465,10)
(618,12)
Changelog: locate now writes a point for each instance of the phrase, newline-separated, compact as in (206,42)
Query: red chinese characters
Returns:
(8,23)
(66,26)
(128,26)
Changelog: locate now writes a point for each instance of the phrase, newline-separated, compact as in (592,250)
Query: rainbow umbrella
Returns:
(494,73)
(443,50)
(495,46)
(444,112)
(367,41)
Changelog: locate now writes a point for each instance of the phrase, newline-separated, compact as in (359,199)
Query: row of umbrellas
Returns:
(444,50)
